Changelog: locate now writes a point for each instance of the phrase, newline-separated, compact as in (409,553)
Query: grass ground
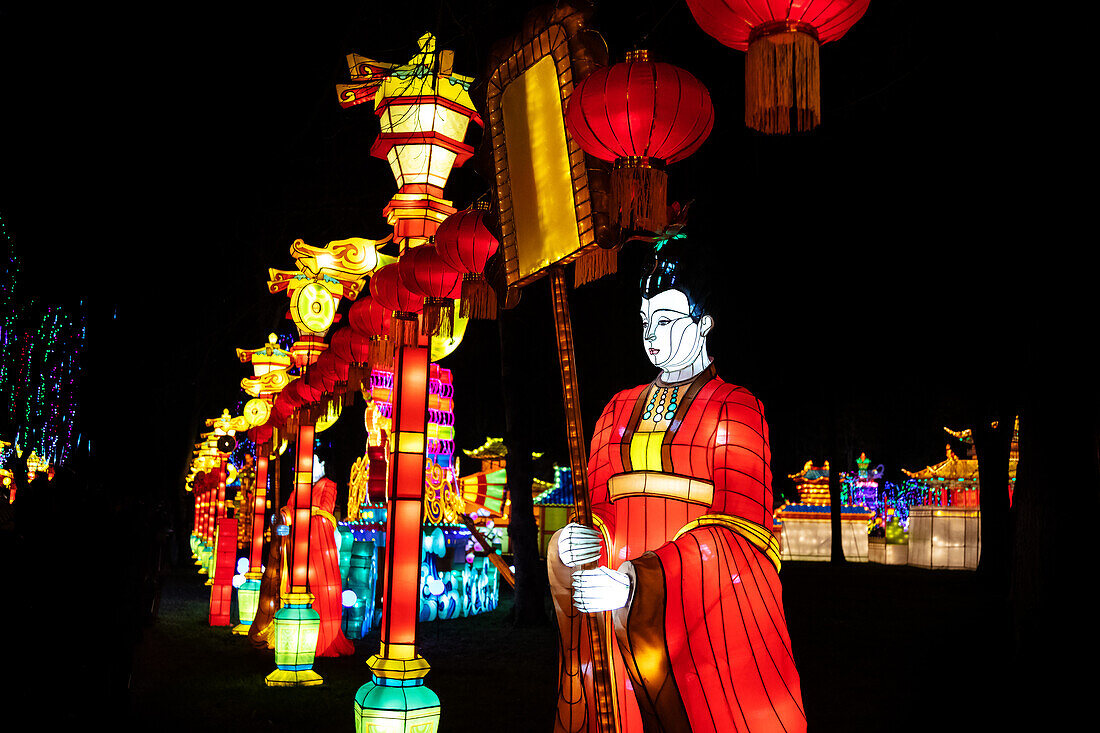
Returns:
(878,648)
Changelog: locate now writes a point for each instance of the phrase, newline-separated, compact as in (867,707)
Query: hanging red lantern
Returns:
(781,41)
(642,115)
(387,289)
(372,321)
(464,242)
(349,346)
(325,373)
(424,272)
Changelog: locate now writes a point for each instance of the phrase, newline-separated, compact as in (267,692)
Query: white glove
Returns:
(602,589)
(578,544)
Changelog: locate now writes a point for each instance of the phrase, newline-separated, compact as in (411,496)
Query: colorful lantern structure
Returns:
(945,526)
(424,110)
(324,275)
(224,557)
(805,527)
(640,115)
(781,42)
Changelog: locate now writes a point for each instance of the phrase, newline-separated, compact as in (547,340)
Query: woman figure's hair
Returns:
(677,265)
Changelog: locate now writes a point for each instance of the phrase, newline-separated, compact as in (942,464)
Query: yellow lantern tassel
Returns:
(639,193)
(439,317)
(782,75)
(479,300)
(594,264)
(381,351)
(403,328)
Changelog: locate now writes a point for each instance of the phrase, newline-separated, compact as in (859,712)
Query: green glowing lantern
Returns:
(296,628)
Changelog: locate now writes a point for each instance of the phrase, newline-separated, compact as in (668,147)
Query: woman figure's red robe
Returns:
(325,582)
(687,499)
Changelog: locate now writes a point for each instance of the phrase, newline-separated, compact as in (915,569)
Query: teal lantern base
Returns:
(396,706)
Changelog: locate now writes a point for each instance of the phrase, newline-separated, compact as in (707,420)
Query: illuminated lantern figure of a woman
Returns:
(681,498)
(325,582)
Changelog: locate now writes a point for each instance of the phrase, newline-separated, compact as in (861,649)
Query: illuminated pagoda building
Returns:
(456,576)
(804,528)
(945,518)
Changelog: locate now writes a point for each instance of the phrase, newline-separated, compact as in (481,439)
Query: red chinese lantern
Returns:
(781,42)
(466,244)
(387,289)
(325,373)
(261,433)
(371,320)
(424,272)
(349,346)
(642,115)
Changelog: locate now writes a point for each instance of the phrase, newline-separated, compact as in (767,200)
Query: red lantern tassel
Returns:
(479,300)
(439,317)
(639,193)
(782,76)
(403,328)
(594,264)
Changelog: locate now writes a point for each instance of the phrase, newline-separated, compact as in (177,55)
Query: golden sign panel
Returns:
(545,184)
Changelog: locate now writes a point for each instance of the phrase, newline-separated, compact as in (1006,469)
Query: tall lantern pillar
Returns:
(323,276)
(248,594)
(424,109)
(396,699)
(296,622)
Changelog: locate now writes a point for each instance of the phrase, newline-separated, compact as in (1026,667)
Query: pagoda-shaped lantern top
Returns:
(424,110)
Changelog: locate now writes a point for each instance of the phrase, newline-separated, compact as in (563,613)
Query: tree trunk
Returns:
(1056,500)
(530,571)
(835,466)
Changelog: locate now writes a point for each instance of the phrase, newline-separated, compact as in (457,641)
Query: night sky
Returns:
(891,262)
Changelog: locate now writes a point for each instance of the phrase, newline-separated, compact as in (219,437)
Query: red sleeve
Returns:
(600,466)
(742,459)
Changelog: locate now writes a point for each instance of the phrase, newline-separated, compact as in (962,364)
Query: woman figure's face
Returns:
(671,338)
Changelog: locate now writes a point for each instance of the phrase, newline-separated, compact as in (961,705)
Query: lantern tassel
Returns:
(479,300)
(782,74)
(439,317)
(403,328)
(594,264)
(380,353)
(638,195)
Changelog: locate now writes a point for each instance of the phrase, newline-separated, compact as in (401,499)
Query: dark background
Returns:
(883,276)
(889,266)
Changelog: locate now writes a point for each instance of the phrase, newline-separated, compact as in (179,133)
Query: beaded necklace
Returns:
(656,409)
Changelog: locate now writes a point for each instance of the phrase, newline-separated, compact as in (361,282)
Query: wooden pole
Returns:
(578,462)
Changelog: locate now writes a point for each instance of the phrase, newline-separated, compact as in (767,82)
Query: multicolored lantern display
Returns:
(465,243)
(641,115)
(424,109)
(781,41)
